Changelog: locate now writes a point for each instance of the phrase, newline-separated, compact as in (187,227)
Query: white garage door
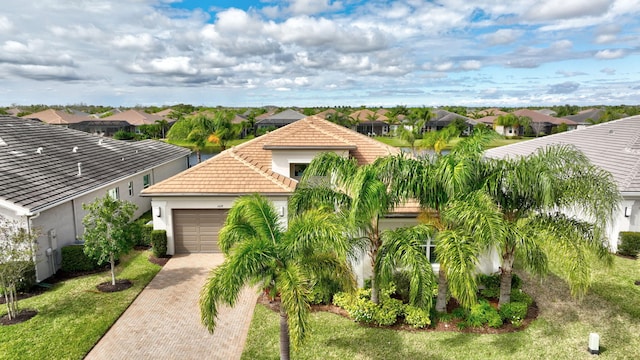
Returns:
(197,230)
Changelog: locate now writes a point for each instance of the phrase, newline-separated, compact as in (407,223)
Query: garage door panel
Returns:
(197,230)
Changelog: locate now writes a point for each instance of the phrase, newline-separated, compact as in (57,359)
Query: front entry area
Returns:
(196,230)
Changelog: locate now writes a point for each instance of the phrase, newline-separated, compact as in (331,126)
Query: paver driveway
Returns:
(164,320)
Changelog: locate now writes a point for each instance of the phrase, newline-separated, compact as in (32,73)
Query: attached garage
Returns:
(196,230)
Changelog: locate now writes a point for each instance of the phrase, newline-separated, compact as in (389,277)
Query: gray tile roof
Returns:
(583,116)
(282,118)
(39,168)
(614,146)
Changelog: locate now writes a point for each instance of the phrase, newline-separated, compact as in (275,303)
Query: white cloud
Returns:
(555,10)
(446,66)
(608,71)
(6,25)
(610,54)
(471,65)
(503,36)
(309,7)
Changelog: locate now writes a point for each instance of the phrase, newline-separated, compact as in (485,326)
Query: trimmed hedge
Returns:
(159,243)
(629,243)
(75,260)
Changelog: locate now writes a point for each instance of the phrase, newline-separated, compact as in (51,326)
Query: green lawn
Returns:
(73,315)
(612,309)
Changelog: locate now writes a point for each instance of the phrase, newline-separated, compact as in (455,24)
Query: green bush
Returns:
(75,260)
(629,243)
(159,243)
(514,312)
(416,317)
(27,278)
(483,313)
(402,283)
(123,135)
(139,233)
(521,297)
(491,284)
(362,309)
(324,290)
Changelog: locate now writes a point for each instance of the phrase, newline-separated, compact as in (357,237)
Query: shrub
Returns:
(514,312)
(521,297)
(323,291)
(362,309)
(27,278)
(123,135)
(491,284)
(139,233)
(629,243)
(402,283)
(159,243)
(75,260)
(483,313)
(416,317)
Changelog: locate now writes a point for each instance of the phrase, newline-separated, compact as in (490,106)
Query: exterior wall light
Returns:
(159,212)
(627,211)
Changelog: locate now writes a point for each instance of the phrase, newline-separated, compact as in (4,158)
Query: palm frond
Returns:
(294,295)
(457,252)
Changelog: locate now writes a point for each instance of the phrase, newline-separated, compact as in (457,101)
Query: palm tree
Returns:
(528,197)
(355,191)
(284,262)
(164,125)
(436,182)
(199,137)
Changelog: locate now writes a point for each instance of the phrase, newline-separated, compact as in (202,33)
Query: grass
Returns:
(73,315)
(612,309)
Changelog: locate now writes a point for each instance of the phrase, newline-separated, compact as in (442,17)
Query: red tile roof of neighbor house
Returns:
(367,115)
(57,117)
(246,168)
(539,117)
(135,117)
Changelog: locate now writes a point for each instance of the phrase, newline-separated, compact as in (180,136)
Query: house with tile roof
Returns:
(47,172)
(192,206)
(443,118)
(278,120)
(586,117)
(370,123)
(58,117)
(615,147)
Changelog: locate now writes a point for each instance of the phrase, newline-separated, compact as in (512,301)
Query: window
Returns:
(146,181)
(130,188)
(430,249)
(296,170)
(114,193)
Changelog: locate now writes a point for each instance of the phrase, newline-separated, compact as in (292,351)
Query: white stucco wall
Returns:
(623,223)
(163,210)
(281,159)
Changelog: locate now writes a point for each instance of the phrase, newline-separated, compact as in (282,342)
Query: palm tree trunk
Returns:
(284,335)
(375,298)
(199,156)
(443,285)
(505,278)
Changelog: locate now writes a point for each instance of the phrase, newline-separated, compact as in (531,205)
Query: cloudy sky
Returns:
(320,52)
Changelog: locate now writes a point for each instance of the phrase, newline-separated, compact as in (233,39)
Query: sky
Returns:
(241,53)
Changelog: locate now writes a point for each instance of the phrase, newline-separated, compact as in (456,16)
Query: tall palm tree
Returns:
(164,125)
(528,197)
(436,182)
(355,191)
(287,262)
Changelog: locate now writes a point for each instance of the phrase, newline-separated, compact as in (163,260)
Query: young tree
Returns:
(105,230)
(17,250)
(285,262)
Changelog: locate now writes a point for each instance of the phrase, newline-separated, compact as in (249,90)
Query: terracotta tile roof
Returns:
(367,115)
(57,117)
(246,168)
(135,117)
(541,118)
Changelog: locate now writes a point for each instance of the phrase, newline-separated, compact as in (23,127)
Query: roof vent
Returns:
(100,142)
(39,150)
(611,131)
(79,169)
(122,159)
(75,149)
(2,142)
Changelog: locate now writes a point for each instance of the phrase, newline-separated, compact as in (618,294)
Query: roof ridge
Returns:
(259,170)
(335,136)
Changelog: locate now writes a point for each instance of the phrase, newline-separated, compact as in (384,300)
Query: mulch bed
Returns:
(22,316)
(532,314)
(159,261)
(120,285)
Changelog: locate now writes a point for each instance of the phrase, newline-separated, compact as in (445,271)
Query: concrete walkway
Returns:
(164,321)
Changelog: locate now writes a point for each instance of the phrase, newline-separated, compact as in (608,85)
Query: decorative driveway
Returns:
(164,320)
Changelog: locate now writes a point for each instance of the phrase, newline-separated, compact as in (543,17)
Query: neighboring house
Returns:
(547,112)
(278,120)
(192,206)
(586,117)
(135,118)
(442,118)
(48,172)
(541,124)
(58,117)
(614,146)
(370,123)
